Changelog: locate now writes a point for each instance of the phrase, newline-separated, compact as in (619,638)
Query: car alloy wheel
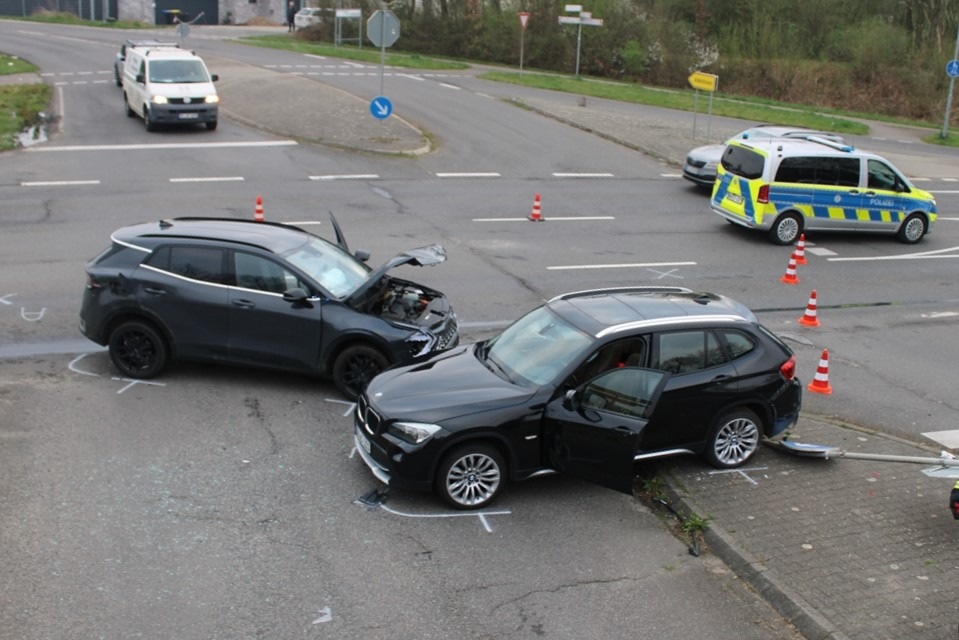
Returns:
(734,439)
(355,367)
(471,476)
(137,350)
(786,229)
(913,229)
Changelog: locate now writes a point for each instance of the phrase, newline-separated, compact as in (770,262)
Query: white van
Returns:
(166,85)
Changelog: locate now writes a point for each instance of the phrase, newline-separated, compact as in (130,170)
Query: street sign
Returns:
(703,81)
(523,19)
(349,13)
(381,107)
(952,69)
(383,28)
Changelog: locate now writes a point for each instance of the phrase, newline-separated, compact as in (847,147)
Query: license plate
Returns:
(189,116)
(364,442)
(734,197)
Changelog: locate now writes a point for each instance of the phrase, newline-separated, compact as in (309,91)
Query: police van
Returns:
(168,85)
(787,187)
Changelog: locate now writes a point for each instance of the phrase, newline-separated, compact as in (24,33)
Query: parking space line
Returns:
(629,265)
(481,515)
(221,179)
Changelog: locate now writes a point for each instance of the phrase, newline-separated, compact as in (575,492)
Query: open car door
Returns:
(594,431)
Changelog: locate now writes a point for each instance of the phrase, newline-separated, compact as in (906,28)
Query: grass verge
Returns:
(20,104)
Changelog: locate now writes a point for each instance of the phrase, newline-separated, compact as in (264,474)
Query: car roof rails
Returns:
(615,290)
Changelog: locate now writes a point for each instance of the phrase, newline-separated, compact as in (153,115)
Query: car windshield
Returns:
(178,71)
(334,269)
(535,349)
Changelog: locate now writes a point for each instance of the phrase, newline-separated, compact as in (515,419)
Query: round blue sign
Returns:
(381,107)
(952,69)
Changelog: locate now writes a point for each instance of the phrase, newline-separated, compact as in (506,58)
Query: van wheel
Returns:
(211,126)
(147,120)
(913,229)
(126,105)
(786,229)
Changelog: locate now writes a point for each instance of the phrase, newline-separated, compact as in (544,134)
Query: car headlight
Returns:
(414,432)
(712,164)
(159,100)
(212,99)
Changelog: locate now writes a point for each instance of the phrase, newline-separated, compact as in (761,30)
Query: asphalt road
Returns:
(237,516)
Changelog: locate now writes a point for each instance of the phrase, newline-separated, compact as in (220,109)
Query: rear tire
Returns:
(126,106)
(471,476)
(355,367)
(913,228)
(786,229)
(734,439)
(138,350)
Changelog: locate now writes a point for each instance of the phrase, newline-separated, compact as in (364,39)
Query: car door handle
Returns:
(246,304)
(723,376)
(622,432)
(153,291)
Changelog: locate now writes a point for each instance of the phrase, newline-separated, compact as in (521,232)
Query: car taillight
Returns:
(763,197)
(788,368)
(92,283)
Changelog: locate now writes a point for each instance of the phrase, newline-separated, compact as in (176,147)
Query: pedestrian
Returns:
(291,17)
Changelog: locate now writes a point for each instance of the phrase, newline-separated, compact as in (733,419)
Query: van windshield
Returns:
(178,71)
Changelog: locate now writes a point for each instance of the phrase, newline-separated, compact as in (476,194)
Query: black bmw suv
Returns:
(262,294)
(587,384)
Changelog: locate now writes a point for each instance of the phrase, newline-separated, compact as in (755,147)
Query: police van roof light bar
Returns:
(848,148)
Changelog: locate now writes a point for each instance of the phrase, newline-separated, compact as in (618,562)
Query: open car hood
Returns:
(422,257)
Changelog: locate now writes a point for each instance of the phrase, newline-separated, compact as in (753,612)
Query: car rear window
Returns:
(743,162)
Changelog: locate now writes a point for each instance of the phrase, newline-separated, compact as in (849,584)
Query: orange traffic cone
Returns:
(790,276)
(820,382)
(800,251)
(258,210)
(809,318)
(535,215)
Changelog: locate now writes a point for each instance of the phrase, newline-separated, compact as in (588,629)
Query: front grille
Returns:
(197,101)
(367,417)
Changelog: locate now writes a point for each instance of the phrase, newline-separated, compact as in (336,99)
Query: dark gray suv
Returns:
(261,294)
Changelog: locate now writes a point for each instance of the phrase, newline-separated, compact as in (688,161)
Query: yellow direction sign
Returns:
(704,81)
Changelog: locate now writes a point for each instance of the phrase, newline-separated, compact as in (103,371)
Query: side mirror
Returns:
(140,78)
(570,400)
(362,255)
(297,296)
(214,77)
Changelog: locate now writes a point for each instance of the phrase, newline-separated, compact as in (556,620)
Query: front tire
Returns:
(138,350)
(734,439)
(471,476)
(913,228)
(786,229)
(355,367)
(147,120)
(211,126)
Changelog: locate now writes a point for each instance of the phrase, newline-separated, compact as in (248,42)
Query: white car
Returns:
(701,163)
(310,16)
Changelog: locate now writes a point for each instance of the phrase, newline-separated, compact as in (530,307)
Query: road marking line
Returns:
(948,439)
(491,174)
(566,219)
(59,183)
(357,176)
(449,86)
(632,265)
(223,179)
(151,147)
(819,251)
(583,175)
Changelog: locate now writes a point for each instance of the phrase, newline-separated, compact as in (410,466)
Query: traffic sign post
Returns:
(383,30)
(523,21)
(952,70)
(381,107)
(705,82)
(584,18)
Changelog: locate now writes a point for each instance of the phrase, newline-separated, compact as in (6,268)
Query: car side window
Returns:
(627,392)
(197,263)
(688,351)
(881,176)
(262,274)
(739,343)
(622,353)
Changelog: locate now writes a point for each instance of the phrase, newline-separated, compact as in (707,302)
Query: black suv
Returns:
(589,383)
(262,294)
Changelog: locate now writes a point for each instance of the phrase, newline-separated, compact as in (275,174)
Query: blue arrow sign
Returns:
(381,107)
(952,68)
